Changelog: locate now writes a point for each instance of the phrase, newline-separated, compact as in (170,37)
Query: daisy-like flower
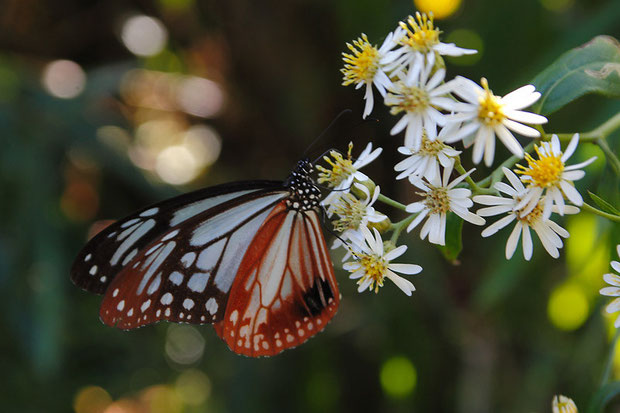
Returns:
(439,198)
(373,265)
(364,66)
(344,171)
(548,231)
(421,42)
(614,290)
(425,161)
(418,98)
(488,115)
(549,174)
(355,213)
(563,404)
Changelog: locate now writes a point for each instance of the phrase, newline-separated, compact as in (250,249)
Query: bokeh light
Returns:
(144,35)
(440,8)
(467,39)
(91,399)
(398,377)
(184,344)
(568,307)
(161,399)
(63,79)
(124,406)
(176,165)
(199,96)
(193,387)
(204,143)
(557,5)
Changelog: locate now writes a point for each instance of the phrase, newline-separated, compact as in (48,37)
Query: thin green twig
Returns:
(391,202)
(597,211)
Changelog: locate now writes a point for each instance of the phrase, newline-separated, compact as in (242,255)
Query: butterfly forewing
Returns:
(117,245)
(285,290)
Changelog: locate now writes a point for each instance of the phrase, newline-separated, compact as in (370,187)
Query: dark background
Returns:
(480,335)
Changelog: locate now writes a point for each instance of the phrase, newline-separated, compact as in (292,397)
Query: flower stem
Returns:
(391,202)
(610,155)
(398,227)
(610,359)
(604,214)
(498,173)
(474,187)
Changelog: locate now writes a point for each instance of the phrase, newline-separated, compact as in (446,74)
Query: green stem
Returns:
(604,214)
(391,202)
(610,359)
(498,173)
(474,188)
(398,227)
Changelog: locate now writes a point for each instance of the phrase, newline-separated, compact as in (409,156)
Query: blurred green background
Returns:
(106,106)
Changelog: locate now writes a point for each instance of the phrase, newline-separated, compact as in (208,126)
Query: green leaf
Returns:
(603,205)
(604,394)
(591,68)
(454,243)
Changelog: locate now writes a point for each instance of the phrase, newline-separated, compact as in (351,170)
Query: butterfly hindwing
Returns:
(285,290)
(111,250)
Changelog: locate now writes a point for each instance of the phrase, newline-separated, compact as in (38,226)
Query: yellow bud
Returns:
(359,193)
(381,226)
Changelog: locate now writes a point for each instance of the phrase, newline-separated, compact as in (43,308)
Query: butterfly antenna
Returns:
(333,122)
(325,220)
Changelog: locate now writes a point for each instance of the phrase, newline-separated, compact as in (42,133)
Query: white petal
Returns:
(494,210)
(513,240)
(525,117)
(527,243)
(492,200)
(417,220)
(496,226)
(522,97)
(614,306)
(405,285)
(571,193)
(509,140)
(409,269)
(513,179)
(395,253)
(612,279)
(521,129)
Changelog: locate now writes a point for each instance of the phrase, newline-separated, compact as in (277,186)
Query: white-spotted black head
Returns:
(304,194)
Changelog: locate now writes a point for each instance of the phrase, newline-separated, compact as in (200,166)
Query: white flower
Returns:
(549,174)
(355,214)
(344,171)
(417,97)
(372,264)
(613,291)
(548,231)
(421,43)
(440,198)
(425,161)
(563,404)
(489,115)
(364,66)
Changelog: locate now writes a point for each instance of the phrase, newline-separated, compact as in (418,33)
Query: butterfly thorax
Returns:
(304,194)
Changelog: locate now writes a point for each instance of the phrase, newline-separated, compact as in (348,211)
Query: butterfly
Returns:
(248,257)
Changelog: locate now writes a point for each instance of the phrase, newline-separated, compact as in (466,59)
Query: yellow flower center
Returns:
(545,171)
(490,110)
(563,404)
(351,211)
(361,66)
(411,99)
(429,147)
(422,35)
(375,268)
(436,200)
(534,216)
(341,168)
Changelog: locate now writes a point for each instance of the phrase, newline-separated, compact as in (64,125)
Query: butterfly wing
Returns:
(181,263)
(285,290)
(112,249)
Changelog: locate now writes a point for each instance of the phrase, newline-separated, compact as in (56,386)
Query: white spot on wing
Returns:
(170,235)
(176,278)
(156,263)
(208,257)
(145,305)
(130,256)
(188,259)
(115,292)
(198,282)
(130,222)
(149,212)
(188,303)
(120,305)
(93,270)
(88,257)
(166,299)
(154,285)
(211,306)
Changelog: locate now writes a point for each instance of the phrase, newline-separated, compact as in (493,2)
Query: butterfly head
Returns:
(304,194)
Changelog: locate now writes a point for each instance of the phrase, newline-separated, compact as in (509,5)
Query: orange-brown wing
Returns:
(285,290)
